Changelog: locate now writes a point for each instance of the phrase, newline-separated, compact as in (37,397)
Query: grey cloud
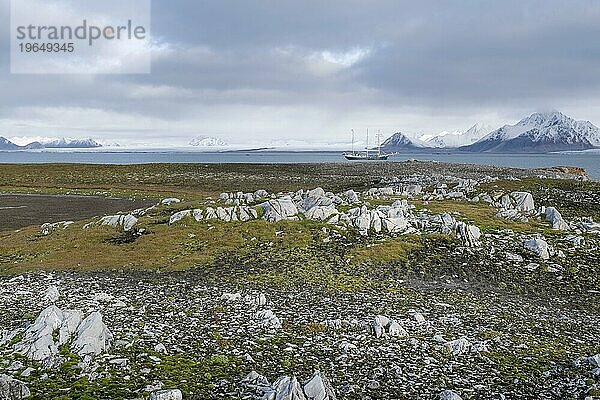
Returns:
(461,58)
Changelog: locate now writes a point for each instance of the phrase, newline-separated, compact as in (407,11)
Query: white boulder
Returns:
(522,201)
(93,337)
(321,213)
(48,228)
(197,214)
(169,201)
(594,360)
(51,295)
(178,216)
(468,234)
(553,216)
(394,225)
(449,395)
(231,297)
(268,320)
(383,325)
(169,394)
(254,380)
(538,246)
(351,196)
(318,388)
(315,198)
(286,388)
(210,213)
(38,342)
(125,221)
(279,209)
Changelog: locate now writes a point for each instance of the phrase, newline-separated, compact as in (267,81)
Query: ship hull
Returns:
(355,157)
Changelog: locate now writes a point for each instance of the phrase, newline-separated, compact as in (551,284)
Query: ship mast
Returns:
(378,143)
(367,148)
(352,130)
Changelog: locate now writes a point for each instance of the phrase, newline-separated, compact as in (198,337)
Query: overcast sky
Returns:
(250,71)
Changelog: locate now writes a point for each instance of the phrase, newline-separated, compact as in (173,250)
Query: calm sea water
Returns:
(589,161)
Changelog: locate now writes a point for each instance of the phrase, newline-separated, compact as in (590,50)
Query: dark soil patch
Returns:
(19,210)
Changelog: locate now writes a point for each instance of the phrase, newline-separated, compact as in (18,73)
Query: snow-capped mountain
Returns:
(540,133)
(72,144)
(459,138)
(64,143)
(6,144)
(402,142)
(207,141)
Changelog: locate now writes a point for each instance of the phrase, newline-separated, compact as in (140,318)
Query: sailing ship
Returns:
(366,155)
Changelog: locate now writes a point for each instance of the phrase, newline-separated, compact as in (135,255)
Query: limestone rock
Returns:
(538,246)
(93,337)
(51,295)
(231,297)
(254,380)
(210,213)
(447,223)
(279,209)
(363,222)
(38,343)
(259,300)
(351,197)
(394,225)
(169,201)
(247,213)
(449,395)
(383,325)
(315,198)
(321,213)
(413,190)
(267,319)
(521,201)
(468,234)
(286,388)
(394,329)
(70,322)
(127,222)
(318,388)
(169,394)
(419,318)
(178,216)
(553,216)
(197,214)
(261,193)
(48,228)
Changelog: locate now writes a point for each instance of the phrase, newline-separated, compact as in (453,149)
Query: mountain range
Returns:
(537,133)
(540,133)
(62,143)
(402,141)
(207,141)
(458,139)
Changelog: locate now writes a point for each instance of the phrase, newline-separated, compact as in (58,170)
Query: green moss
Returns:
(198,376)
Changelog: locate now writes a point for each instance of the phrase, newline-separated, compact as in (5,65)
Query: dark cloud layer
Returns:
(461,58)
